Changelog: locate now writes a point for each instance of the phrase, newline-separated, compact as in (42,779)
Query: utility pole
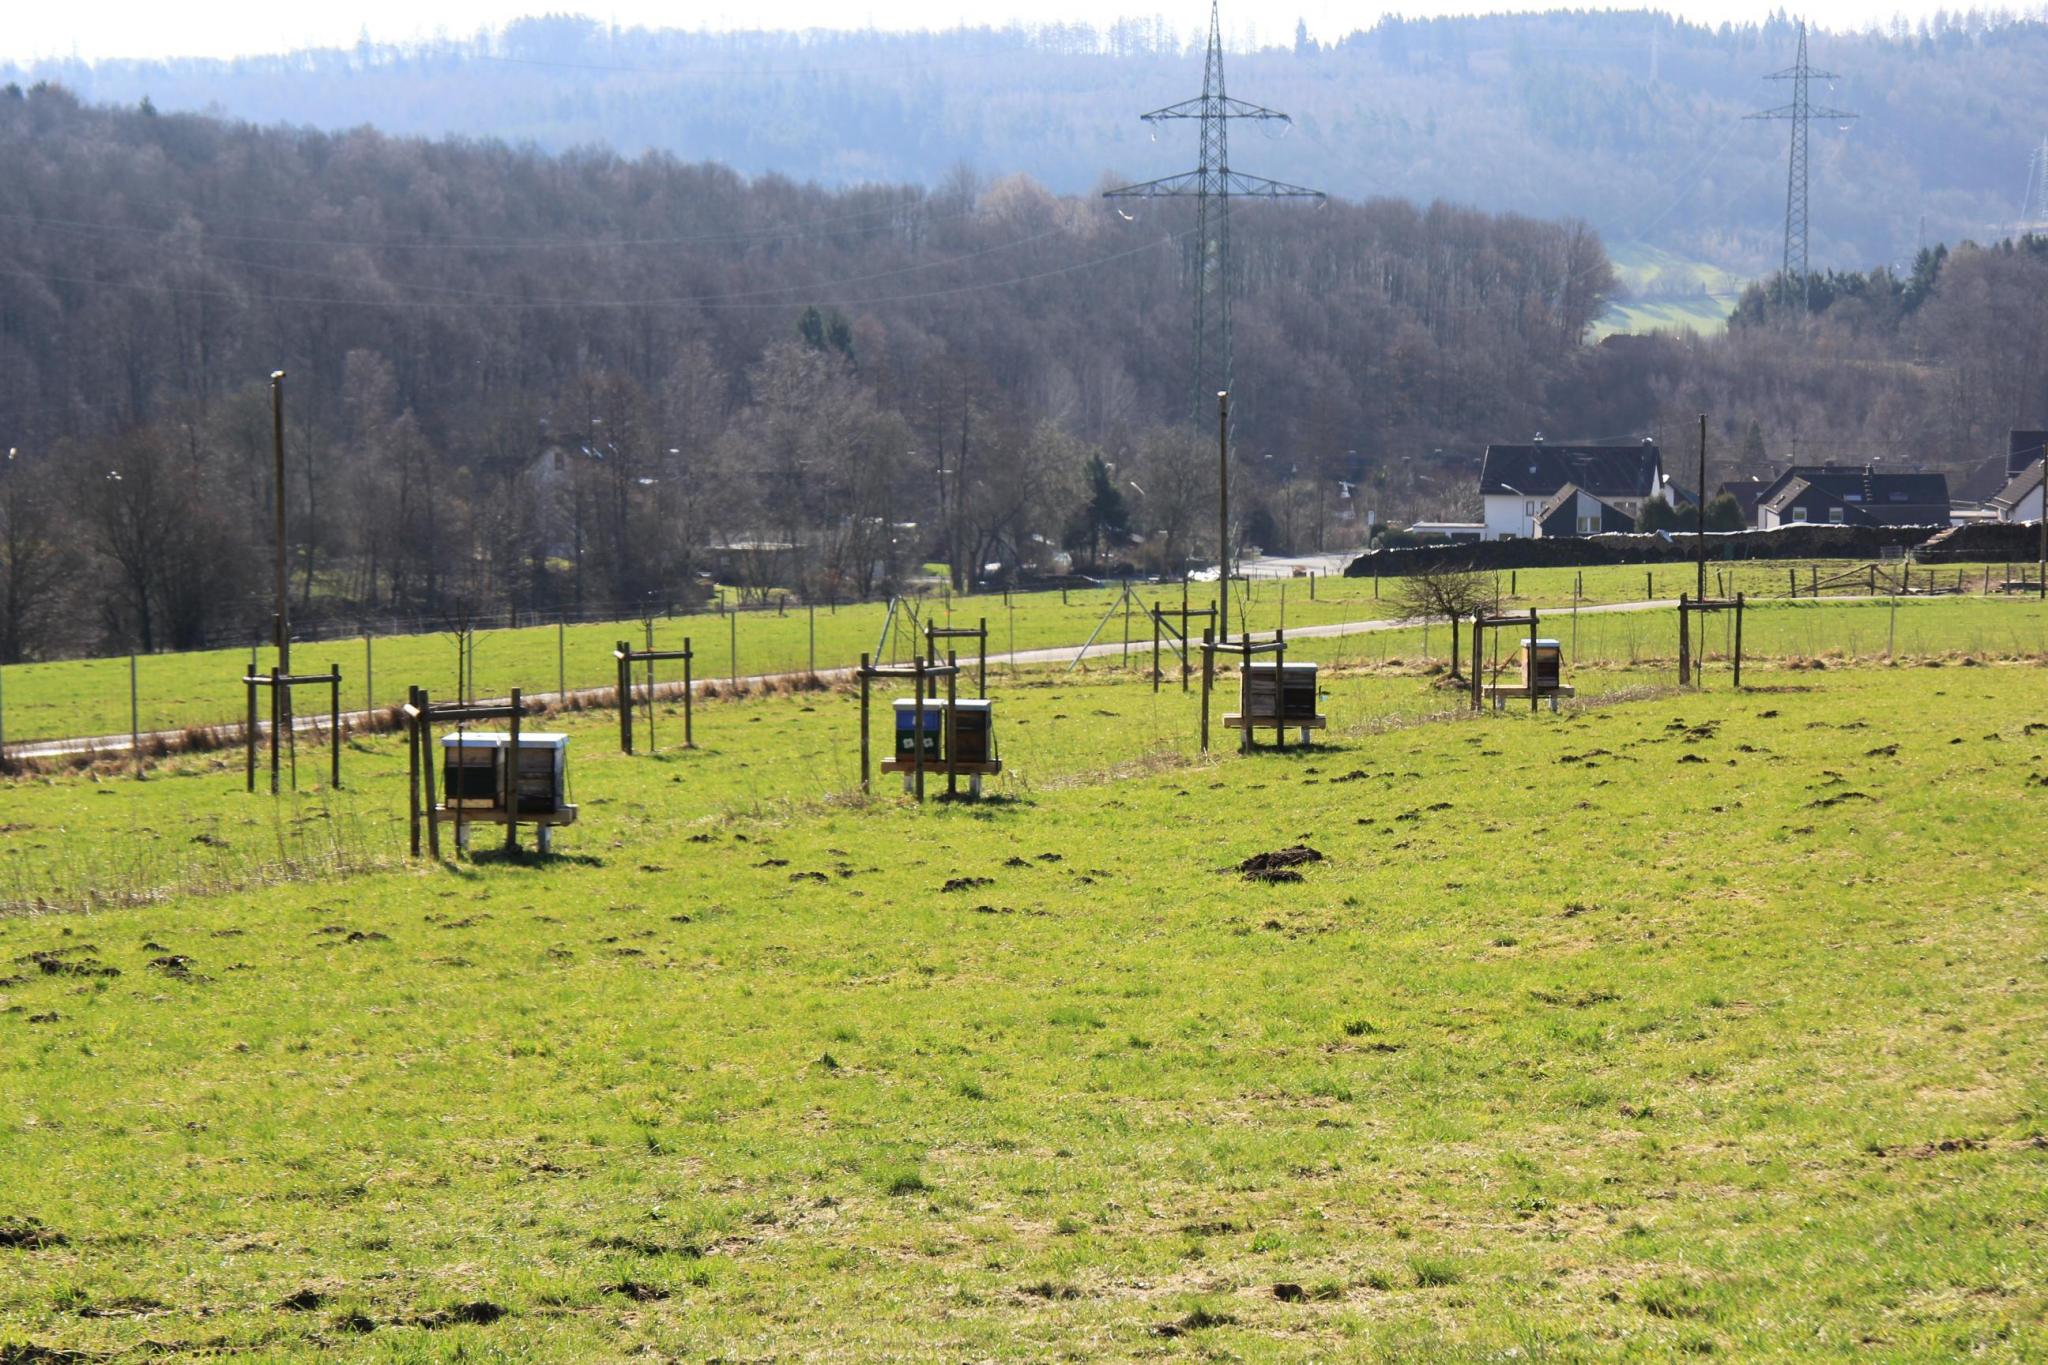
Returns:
(1799,113)
(1212,185)
(1223,520)
(284,633)
(1700,508)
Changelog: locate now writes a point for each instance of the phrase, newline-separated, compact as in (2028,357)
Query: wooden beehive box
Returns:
(906,729)
(1270,695)
(1542,665)
(473,771)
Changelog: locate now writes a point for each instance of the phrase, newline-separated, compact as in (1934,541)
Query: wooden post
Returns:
(1185,666)
(1244,686)
(689,733)
(412,768)
(1649,585)
(952,729)
(917,726)
(249,727)
(276,690)
(1155,649)
(134,719)
(625,689)
(1208,677)
(1684,642)
(1280,677)
(652,747)
(334,726)
(512,776)
(1478,646)
(864,722)
(431,779)
(1738,641)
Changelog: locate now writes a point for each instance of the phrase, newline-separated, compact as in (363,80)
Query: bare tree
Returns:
(1448,592)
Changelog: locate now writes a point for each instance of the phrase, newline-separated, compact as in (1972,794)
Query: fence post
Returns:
(134,720)
(334,726)
(1208,675)
(276,691)
(689,734)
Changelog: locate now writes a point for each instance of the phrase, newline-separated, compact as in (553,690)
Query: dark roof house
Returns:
(1864,497)
(1572,511)
(1541,469)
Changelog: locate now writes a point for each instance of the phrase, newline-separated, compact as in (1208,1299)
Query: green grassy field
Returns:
(1669,292)
(91,696)
(1677,1023)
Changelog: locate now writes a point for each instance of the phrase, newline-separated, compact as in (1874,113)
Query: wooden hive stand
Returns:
(512,796)
(924,757)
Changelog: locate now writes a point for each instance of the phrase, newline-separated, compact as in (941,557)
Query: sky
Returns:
(94,29)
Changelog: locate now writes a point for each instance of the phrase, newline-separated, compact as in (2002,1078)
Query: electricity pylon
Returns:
(1212,185)
(1799,113)
(2034,211)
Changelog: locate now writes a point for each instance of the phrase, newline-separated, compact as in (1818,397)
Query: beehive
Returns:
(1296,687)
(473,771)
(906,729)
(1542,665)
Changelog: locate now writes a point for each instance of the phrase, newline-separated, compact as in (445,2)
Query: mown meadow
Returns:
(1700,1023)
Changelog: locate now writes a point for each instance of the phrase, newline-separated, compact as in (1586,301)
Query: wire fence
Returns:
(91,698)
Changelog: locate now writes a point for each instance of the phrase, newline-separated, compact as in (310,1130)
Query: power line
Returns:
(1798,113)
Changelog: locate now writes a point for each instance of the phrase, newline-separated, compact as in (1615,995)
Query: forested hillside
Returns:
(1632,121)
(578,381)
(555,380)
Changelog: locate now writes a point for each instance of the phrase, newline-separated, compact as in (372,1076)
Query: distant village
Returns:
(1547,490)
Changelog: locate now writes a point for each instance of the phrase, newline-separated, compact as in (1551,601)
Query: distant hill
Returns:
(1632,121)
(1660,289)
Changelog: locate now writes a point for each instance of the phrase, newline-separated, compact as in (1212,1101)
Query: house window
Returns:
(1529,508)
(1835,516)
(1799,514)
(1589,526)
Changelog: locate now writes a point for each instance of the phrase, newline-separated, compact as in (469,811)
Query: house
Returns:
(2020,500)
(1852,495)
(1572,511)
(1516,481)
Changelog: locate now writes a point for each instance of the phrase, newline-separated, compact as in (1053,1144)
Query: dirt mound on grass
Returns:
(1280,865)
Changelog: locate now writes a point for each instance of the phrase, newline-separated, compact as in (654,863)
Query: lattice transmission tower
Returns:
(1799,113)
(1212,185)
(2034,211)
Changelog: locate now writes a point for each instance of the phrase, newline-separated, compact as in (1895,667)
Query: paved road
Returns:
(115,745)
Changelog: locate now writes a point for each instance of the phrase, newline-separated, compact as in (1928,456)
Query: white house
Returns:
(1515,482)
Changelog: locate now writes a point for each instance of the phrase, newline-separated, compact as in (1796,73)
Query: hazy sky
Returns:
(128,28)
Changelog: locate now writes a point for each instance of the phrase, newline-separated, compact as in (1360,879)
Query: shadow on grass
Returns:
(520,857)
